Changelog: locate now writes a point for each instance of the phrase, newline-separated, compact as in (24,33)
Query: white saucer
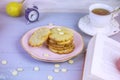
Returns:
(85,26)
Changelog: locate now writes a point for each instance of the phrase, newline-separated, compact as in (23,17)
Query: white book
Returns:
(102,53)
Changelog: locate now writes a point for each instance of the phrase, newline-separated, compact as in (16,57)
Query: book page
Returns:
(104,63)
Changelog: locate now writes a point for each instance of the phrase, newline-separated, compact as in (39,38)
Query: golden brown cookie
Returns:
(61,48)
(50,41)
(39,37)
(66,51)
(61,34)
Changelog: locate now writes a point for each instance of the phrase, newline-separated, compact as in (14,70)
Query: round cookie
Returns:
(62,51)
(39,37)
(61,34)
(50,41)
(61,48)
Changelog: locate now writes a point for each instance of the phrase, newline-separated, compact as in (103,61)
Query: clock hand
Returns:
(32,16)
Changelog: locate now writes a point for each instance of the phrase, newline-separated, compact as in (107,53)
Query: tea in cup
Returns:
(100,15)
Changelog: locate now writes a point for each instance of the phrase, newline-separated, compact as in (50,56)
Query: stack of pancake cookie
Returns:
(60,40)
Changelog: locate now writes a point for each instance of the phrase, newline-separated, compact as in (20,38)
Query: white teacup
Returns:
(98,20)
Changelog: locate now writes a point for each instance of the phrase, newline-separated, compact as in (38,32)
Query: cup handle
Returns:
(113,20)
(115,12)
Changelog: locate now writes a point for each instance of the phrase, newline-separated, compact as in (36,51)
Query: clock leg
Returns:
(38,20)
(28,22)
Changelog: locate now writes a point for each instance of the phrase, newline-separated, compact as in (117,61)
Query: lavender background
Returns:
(62,5)
(11,31)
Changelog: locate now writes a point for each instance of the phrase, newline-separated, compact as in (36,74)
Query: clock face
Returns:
(33,16)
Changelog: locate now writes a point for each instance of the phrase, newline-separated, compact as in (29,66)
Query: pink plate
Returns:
(44,54)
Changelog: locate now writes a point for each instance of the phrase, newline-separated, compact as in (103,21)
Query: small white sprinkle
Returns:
(57,65)
(20,69)
(56,70)
(50,77)
(64,70)
(4,62)
(61,33)
(46,55)
(36,68)
(50,24)
(14,73)
(58,29)
(70,61)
